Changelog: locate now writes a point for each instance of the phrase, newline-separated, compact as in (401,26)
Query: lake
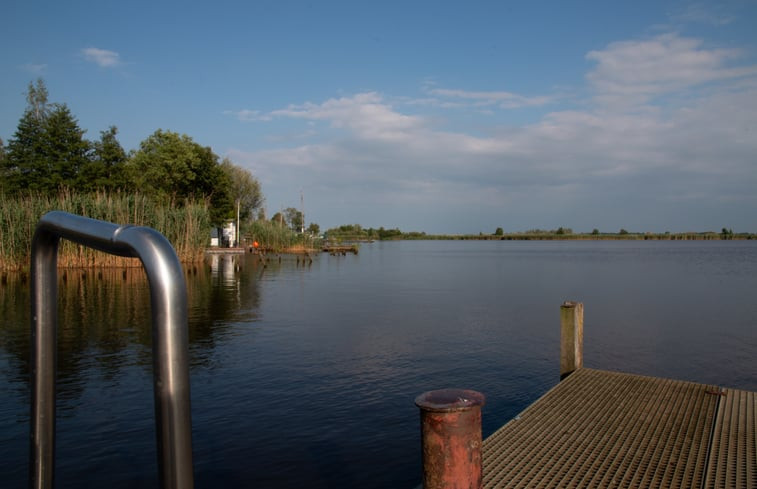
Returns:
(304,375)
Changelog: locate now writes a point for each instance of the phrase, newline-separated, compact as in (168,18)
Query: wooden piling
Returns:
(571,337)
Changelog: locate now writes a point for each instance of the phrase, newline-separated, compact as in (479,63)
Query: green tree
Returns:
(595,231)
(173,166)
(45,154)
(24,148)
(48,149)
(314,229)
(107,165)
(499,232)
(23,154)
(278,219)
(623,231)
(244,189)
(65,150)
(294,218)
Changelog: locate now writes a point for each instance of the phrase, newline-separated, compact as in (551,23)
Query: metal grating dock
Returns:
(599,429)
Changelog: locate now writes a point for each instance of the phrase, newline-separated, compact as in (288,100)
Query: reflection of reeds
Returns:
(187,226)
(104,319)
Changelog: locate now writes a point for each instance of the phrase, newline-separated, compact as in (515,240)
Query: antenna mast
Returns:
(302,210)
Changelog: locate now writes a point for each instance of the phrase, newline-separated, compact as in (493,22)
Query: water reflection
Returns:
(104,318)
(315,366)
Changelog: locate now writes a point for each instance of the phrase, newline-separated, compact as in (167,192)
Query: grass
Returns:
(187,227)
(274,237)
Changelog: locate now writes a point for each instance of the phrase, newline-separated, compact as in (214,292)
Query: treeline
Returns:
(170,183)
(355,232)
(49,152)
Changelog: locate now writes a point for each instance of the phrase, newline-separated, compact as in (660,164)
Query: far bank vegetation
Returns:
(356,233)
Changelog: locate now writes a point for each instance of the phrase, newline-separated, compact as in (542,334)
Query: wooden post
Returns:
(571,337)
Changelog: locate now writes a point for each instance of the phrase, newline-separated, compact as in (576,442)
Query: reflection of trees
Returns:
(104,319)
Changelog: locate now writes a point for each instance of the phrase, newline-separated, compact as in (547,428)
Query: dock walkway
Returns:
(601,429)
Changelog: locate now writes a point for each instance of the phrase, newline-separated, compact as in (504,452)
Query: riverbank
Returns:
(693,236)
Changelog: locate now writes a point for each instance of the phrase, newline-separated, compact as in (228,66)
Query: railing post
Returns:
(571,337)
(451,438)
(169,336)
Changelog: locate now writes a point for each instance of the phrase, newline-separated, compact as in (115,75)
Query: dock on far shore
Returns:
(217,250)
(603,429)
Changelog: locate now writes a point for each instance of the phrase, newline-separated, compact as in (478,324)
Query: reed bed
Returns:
(187,227)
(276,238)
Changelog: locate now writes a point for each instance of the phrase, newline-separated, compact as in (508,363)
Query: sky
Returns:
(434,116)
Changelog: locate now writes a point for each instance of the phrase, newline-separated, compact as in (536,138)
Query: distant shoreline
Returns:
(705,236)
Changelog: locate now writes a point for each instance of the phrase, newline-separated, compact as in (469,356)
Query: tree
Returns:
(294,218)
(595,231)
(106,167)
(65,150)
(23,154)
(173,166)
(499,232)
(3,176)
(278,219)
(245,189)
(36,99)
(314,229)
(48,149)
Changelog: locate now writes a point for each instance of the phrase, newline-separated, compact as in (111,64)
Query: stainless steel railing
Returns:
(168,296)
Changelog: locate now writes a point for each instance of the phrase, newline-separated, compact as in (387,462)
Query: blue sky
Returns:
(444,117)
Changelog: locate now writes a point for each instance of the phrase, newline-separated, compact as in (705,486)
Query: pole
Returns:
(451,438)
(571,337)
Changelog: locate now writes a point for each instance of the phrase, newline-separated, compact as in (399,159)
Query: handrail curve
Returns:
(168,295)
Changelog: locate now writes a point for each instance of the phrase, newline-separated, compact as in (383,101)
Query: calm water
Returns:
(304,376)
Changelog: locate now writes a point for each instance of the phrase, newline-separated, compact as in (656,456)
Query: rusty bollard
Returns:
(451,438)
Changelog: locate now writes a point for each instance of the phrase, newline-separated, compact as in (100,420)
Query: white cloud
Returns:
(635,71)
(366,115)
(101,57)
(702,14)
(37,69)
(504,100)
(246,115)
(635,164)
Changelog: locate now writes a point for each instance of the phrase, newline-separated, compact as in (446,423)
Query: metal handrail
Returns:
(168,294)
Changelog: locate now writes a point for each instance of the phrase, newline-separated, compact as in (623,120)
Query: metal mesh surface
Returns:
(733,455)
(599,429)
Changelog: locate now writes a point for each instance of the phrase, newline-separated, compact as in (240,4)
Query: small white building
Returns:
(224,237)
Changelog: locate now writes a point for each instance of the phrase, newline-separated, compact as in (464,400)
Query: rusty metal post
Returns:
(451,438)
(571,337)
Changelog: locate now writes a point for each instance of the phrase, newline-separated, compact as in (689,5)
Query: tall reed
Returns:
(187,227)
(277,238)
